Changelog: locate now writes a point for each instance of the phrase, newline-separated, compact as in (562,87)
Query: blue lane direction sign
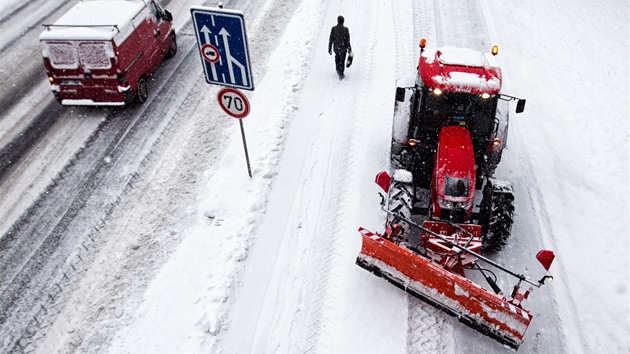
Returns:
(223,46)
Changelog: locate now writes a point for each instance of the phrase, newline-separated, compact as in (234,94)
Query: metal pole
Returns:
(249,169)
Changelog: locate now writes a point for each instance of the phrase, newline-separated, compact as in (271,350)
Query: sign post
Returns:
(236,104)
(225,59)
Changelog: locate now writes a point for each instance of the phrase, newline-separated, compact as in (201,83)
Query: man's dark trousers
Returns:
(340,61)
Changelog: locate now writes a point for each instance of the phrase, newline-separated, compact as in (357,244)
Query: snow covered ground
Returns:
(266,264)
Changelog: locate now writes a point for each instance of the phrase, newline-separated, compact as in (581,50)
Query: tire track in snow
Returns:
(342,155)
(346,162)
(424,23)
(332,250)
(460,24)
(544,227)
(67,241)
(430,330)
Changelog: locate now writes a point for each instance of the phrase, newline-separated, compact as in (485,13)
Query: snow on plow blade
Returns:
(471,304)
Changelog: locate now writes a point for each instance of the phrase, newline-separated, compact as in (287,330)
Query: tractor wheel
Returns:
(172,47)
(499,217)
(401,203)
(142,90)
(400,157)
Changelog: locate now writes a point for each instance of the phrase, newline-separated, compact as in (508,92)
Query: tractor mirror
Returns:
(400,94)
(383,180)
(545,257)
(520,106)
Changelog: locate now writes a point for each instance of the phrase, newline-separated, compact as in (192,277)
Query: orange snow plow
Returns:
(492,314)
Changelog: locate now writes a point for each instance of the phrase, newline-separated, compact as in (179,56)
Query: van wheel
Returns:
(143,90)
(172,47)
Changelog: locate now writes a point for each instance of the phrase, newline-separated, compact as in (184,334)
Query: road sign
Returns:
(223,46)
(233,102)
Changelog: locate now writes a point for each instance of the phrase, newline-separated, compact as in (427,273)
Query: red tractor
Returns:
(443,205)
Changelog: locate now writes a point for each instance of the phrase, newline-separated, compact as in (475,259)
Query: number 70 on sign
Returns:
(233,102)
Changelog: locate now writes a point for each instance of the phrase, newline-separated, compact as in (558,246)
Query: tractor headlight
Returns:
(445,204)
(467,204)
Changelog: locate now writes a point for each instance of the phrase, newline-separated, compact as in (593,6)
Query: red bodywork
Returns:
(454,173)
(460,70)
(98,51)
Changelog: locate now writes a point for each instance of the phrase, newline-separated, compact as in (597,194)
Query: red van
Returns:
(102,52)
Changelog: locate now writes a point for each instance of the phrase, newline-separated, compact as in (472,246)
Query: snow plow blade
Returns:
(471,304)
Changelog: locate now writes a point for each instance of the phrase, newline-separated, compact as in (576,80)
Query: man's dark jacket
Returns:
(340,37)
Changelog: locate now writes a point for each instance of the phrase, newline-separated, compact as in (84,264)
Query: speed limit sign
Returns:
(233,102)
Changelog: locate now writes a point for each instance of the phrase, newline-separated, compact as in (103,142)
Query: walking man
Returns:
(340,38)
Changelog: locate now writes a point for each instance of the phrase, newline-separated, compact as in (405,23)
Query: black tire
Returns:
(400,202)
(142,91)
(172,47)
(497,218)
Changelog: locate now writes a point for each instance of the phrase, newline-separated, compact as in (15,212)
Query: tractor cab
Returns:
(458,86)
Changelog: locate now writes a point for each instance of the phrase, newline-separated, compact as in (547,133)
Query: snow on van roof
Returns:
(81,21)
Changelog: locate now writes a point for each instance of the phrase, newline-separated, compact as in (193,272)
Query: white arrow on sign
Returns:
(230,59)
(206,33)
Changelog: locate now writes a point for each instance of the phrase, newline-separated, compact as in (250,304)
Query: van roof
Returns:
(82,21)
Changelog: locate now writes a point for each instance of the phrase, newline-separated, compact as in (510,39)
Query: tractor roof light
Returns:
(496,142)
(495,50)
(51,79)
(413,142)
(485,95)
(423,43)
(437,91)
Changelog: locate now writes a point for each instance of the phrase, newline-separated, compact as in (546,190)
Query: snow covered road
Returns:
(196,257)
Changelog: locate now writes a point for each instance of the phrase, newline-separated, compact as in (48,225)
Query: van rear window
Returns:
(95,55)
(63,56)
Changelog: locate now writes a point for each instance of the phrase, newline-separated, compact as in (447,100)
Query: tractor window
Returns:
(456,187)
(476,111)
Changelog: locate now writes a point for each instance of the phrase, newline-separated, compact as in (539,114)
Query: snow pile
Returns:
(204,272)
